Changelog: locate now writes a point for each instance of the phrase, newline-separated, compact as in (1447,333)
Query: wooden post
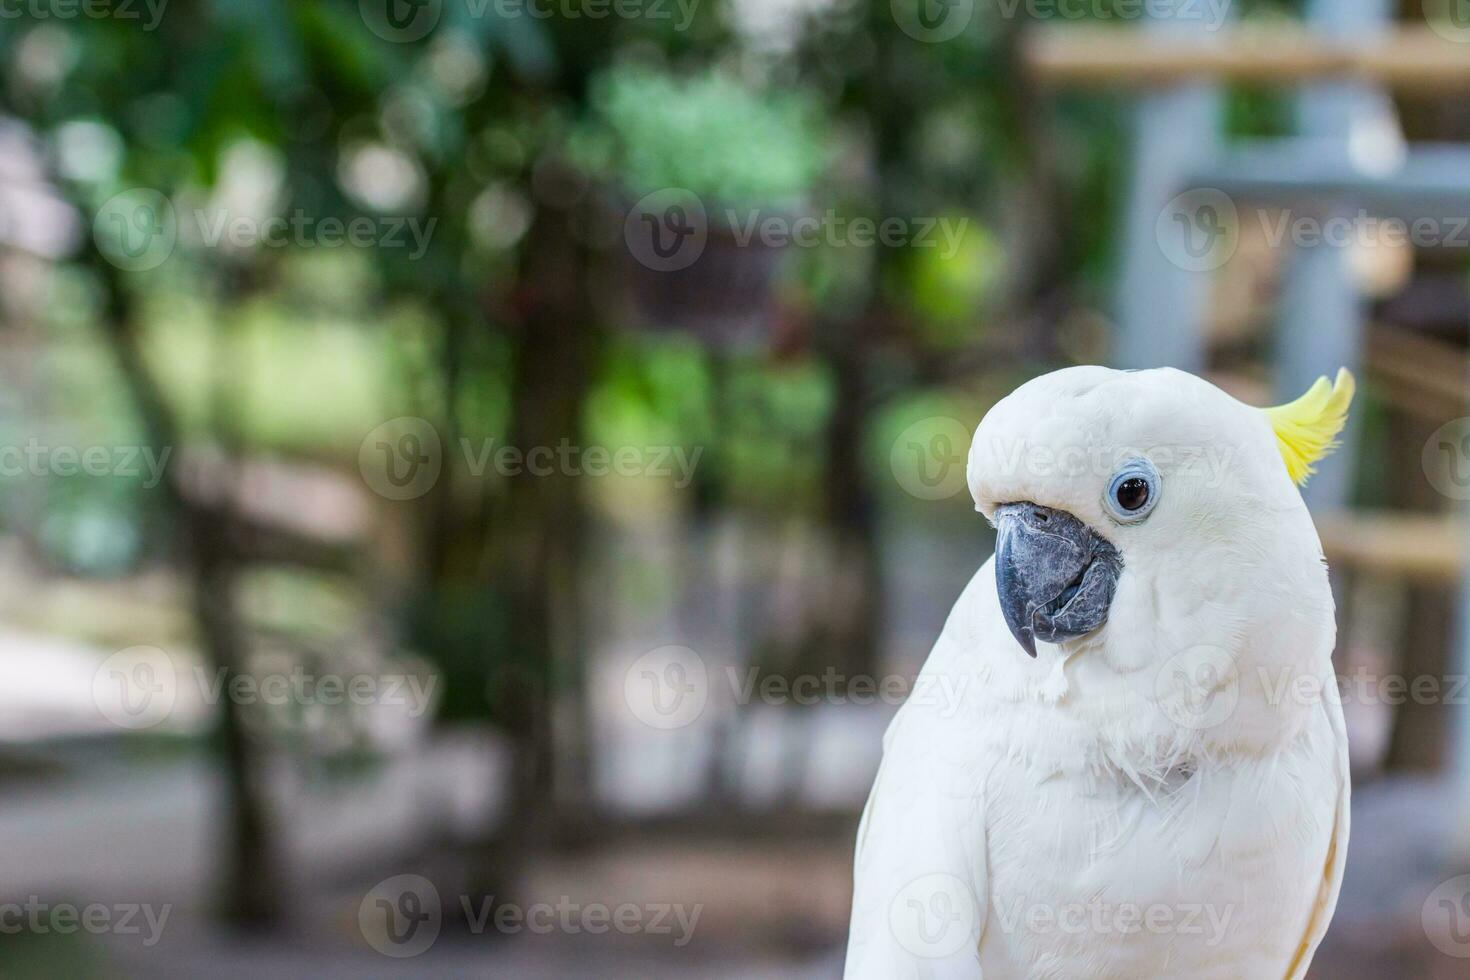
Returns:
(1459,720)
(1160,306)
(1322,311)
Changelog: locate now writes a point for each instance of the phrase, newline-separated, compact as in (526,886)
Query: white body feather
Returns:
(1166,797)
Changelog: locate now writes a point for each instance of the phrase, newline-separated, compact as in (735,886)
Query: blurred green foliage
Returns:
(707,133)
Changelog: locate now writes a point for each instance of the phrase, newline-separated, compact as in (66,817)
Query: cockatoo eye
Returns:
(1132,492)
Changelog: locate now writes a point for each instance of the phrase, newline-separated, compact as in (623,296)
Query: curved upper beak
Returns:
(1055,575)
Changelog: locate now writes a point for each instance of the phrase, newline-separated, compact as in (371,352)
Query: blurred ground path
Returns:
(101,824)
(1401,832)
(1405,831)
(551,957)
(46,689)
(87,818)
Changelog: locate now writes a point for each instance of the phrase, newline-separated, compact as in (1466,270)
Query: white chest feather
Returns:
(1212,874)
(1007,837)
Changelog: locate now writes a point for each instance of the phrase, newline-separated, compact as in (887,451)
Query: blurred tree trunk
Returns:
(1420,732)
(445,531)
(539,531)
(251,885)
(853,633)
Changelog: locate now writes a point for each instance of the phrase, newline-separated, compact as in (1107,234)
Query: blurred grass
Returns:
(47,956)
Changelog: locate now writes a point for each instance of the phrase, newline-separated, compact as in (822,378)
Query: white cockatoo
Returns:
(1140,769)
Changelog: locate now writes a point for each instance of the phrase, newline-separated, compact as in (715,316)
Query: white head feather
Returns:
(1223,584)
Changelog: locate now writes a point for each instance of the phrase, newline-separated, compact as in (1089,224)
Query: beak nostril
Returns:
(1054,577)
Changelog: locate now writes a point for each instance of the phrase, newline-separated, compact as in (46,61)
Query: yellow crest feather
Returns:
(1306,429)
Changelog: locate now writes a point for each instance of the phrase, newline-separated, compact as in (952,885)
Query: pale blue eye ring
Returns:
(1133,492)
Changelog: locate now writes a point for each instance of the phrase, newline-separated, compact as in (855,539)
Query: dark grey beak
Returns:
(1054,574)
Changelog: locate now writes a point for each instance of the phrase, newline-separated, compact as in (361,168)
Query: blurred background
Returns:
(478,476)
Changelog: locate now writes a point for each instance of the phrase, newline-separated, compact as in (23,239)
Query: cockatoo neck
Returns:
(1209,656)
(1230,648)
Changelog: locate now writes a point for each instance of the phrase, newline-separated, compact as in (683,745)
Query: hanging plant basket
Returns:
(675,154)
(688,267)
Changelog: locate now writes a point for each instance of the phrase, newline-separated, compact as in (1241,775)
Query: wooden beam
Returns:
(1409,57)
(1419,375)
(1425,547)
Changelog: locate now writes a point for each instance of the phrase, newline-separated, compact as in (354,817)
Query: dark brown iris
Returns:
(1132,493)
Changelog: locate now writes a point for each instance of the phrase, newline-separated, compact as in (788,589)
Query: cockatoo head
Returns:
(1142,512)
